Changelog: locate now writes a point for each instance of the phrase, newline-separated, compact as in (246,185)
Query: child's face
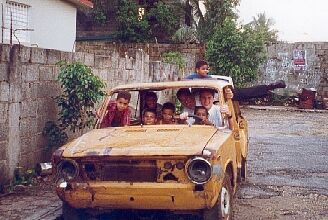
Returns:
(187,100)
(202,113)
(151,102)
(122,104)
(206,99)
(149,118)
(167,115)
(203,70)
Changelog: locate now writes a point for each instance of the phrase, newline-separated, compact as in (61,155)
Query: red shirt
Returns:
(124,117)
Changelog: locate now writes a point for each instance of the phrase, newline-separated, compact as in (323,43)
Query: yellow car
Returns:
(179,168)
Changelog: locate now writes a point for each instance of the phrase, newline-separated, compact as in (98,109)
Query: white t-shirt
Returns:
(214,116)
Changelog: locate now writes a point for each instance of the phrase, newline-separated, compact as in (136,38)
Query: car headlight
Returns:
(68,170)
(199,170)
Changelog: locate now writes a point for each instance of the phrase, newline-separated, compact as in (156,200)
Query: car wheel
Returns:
(70,213)
(223,206)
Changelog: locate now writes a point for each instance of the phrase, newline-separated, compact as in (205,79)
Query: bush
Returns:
(81,91)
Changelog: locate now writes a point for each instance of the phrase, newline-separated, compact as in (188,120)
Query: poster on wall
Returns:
(299,57)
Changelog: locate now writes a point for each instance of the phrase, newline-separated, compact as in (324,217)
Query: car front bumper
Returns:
(118,195)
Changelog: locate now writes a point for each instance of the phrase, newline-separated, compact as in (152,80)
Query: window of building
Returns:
(17,19)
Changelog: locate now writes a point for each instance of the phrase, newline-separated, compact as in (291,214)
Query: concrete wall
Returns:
(284,61)
(53,23)
(28,85)
(191,52)
(299,64)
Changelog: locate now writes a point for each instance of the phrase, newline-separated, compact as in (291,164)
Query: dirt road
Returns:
(287,178)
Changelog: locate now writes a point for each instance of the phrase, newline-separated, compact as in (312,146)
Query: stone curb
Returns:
(284,108)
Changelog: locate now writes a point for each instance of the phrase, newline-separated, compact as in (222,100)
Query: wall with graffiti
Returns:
(297,64)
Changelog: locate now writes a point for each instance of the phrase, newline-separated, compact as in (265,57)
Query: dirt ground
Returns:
(287,167)
(287,173)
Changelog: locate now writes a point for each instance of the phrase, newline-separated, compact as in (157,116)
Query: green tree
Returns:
(131,27)
(235,52)
(216,12)
(263,26)
(163,20)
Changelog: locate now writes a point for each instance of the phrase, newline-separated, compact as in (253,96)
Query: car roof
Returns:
(199,83)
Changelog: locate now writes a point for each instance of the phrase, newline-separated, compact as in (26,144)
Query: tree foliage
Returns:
(131,27)
(162,19)
(216,12)
(235,52)
(159,21)
(263,26)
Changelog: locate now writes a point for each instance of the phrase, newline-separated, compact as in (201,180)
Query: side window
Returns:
(17,17)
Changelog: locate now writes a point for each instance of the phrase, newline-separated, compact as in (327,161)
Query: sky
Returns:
(295,20)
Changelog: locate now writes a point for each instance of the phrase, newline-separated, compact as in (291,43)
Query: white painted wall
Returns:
(53,21)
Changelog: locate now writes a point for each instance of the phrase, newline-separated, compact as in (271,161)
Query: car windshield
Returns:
(192,106)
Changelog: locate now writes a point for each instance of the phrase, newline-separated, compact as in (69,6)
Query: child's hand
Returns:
(206,122)
(228,94)
(225,110)
(184,116)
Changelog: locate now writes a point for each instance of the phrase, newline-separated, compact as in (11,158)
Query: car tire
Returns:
(70,213)
(223,206)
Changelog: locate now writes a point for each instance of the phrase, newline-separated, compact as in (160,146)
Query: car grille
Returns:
(121,170)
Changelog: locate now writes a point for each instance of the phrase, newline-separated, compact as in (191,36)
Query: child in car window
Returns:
(151,102)
(214,111)
(168,112)
(202,113)
(118,113)
(149,117)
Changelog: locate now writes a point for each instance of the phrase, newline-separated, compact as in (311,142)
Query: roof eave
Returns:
(82,3)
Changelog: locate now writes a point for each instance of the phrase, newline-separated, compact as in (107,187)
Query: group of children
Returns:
(155,113)
(118,113)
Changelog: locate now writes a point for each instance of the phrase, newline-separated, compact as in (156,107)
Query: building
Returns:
(40,23)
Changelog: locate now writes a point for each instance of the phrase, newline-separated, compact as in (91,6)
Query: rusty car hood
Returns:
(142,141)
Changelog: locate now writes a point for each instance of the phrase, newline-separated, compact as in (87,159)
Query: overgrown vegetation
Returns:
(81,91)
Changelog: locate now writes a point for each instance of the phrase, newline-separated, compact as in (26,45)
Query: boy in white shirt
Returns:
(207,100)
